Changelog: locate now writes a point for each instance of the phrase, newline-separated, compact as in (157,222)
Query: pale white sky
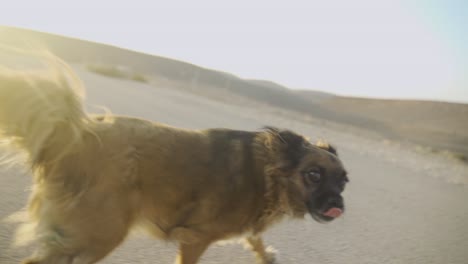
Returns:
(387,48)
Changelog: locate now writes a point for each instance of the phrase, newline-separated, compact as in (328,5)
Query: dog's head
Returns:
(312,174)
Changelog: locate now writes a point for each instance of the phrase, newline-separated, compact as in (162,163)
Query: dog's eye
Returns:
(313,176)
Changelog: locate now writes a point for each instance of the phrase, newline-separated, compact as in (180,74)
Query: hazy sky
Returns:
(378,48)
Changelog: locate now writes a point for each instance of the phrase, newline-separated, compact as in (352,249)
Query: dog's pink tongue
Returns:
(333,212)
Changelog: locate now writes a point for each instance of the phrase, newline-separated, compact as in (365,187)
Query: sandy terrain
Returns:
(402,206)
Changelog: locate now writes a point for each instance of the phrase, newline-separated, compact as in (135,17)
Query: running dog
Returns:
(98,177)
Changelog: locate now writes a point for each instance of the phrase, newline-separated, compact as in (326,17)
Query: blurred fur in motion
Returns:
(97,177)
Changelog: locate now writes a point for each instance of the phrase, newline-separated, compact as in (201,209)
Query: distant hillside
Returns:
(437,124)
(314,96)
(269,84)
(440,125)
(191,76)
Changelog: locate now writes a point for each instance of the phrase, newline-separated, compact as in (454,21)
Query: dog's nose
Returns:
(335,201)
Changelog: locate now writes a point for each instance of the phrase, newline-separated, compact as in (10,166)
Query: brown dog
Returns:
(95,178)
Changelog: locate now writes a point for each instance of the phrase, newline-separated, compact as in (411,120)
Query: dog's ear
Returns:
(326,146)
(286,145)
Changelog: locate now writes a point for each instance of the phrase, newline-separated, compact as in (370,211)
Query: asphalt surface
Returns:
(402,206)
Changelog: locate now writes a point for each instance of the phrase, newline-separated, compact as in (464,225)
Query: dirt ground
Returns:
(403,206)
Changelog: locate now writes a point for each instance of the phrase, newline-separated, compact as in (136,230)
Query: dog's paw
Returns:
(269,257)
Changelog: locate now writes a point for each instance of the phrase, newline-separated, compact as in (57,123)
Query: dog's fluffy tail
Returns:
(41,112)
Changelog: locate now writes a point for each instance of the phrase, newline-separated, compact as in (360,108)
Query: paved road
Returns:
(403,207)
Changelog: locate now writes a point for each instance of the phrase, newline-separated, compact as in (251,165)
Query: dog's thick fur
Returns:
(96,178)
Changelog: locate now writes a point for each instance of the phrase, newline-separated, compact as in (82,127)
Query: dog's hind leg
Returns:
(99,248)
(86,247)
(84,234)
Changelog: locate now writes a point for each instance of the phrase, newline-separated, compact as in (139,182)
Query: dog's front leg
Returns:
(190,253)
(263,255)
